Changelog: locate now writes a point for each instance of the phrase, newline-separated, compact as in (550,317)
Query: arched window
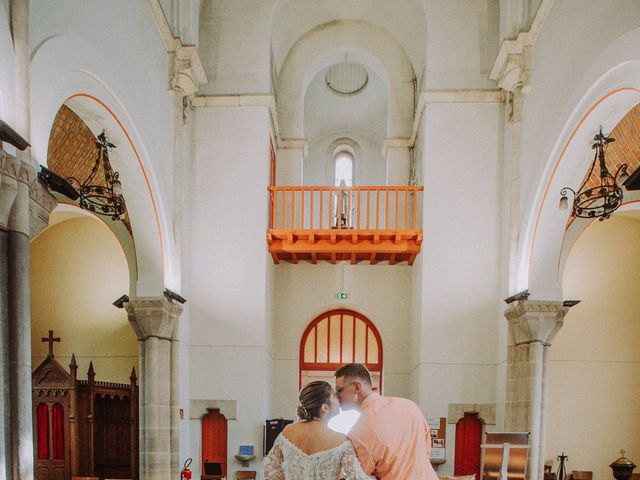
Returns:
(343,169)
(336,338)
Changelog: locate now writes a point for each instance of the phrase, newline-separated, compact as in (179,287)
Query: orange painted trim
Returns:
(560,158)
(144,173)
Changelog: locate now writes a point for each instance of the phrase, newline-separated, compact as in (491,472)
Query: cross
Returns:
(50,340)
(622,452)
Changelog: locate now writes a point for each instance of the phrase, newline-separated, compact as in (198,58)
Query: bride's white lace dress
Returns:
(287,462)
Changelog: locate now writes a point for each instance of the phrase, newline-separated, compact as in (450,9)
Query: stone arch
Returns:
(605,103)
(60,78)
(364,43)
(118,229)
(624,150)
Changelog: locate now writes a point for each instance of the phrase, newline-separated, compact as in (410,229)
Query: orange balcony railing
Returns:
(357,224)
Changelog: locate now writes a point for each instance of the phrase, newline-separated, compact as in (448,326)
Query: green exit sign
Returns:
(342,295)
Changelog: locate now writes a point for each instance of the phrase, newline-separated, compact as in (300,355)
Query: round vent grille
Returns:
(347,78)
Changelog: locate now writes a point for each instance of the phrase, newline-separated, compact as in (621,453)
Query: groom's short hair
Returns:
(354,370)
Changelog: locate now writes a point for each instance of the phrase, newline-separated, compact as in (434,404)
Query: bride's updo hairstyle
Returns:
(311,399)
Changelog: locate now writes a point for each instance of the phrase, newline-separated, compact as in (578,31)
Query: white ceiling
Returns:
(365,112)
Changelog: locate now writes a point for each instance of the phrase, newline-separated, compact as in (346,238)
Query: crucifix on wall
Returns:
(50,339)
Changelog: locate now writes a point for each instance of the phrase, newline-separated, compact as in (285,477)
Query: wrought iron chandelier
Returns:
(604,198)
(102,199)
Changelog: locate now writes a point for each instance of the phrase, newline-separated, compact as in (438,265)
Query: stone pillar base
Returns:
(154,320)
(532,327)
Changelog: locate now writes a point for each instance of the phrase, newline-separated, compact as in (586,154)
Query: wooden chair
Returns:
(246,475)
(635,476)
(84,478)
(581,475)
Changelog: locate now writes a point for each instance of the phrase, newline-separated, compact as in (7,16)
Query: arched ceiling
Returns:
(625,149)
(365,112)
(404,19)
(72,150)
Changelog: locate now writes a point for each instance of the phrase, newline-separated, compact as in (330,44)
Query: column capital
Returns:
(512,69)
(395,142)
(301,144)
(153,317)
(535,321)
(188,72)
(28,215)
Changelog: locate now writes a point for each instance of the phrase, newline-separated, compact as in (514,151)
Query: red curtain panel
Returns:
(58,432)
(43,432)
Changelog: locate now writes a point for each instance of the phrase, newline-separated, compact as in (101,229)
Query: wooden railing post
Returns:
(340,213)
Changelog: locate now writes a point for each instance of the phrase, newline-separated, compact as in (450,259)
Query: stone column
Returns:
(188,76)
(174,406)
(154,320)
(24,211)
(532,326)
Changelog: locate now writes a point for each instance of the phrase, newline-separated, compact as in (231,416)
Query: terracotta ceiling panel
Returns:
(72,150)
(625,149)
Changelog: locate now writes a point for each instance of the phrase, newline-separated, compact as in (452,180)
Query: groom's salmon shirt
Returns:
(392,439)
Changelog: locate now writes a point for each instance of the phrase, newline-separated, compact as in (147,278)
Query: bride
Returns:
(308,450)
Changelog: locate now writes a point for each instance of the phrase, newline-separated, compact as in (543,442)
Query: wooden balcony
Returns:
(355,224)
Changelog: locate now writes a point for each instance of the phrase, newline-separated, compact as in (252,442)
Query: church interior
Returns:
(206,204)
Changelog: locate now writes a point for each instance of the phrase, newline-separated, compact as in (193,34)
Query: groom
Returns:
(391,437)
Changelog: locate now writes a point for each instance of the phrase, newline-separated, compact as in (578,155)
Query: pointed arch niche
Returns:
(338,337)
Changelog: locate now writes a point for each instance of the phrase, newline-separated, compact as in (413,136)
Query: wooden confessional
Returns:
(83,427)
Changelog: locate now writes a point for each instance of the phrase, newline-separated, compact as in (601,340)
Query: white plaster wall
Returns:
(462,42)
(229,305)
(594,367)
(302,292)
(369,162)
(7,72)
(234,46)
(461,275)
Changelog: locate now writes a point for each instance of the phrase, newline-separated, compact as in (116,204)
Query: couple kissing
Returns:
(390,440)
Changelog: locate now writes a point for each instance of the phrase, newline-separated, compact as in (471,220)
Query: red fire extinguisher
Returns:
(185,474)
